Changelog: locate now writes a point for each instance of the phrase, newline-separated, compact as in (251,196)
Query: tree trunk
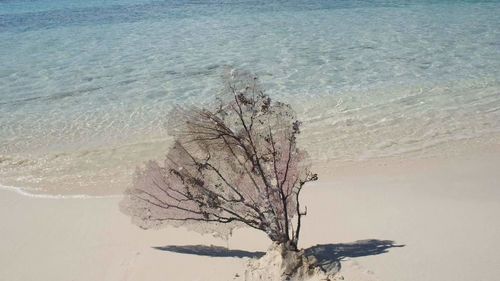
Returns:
(289,245)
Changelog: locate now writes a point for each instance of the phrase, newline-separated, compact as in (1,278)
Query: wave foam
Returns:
(24,192)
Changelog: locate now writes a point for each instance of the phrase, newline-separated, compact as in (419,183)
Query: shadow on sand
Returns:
(327,254)
(210,251)
(330,255)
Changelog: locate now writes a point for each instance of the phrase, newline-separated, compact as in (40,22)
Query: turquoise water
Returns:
(85,85)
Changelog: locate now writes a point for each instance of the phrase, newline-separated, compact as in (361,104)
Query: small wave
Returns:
(23,192)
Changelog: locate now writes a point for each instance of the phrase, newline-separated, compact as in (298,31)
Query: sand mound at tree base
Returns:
(281,264)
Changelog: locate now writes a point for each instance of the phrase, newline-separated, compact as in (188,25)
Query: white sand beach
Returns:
(442,215)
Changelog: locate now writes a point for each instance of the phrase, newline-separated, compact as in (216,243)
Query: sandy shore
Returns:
(444,211)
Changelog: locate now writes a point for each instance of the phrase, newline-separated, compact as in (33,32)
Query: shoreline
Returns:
(459,150)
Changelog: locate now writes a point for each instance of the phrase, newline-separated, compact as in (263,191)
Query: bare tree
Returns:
(236,165)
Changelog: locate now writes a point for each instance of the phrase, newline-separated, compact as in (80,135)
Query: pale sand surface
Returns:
(445,211)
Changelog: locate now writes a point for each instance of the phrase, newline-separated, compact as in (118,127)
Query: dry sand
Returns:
(446,213)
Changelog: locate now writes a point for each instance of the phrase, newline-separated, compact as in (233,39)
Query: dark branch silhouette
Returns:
(234,165)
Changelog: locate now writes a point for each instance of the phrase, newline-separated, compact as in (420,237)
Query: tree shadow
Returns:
(327,255)
(211,251)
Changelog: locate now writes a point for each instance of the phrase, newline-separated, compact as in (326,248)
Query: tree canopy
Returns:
(232,165)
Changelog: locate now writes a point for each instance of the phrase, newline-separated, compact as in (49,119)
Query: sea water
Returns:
(85,86)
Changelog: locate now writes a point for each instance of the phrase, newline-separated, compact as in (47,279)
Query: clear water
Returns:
(85,85)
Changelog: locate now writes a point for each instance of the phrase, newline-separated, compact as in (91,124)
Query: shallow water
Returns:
(85,85)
